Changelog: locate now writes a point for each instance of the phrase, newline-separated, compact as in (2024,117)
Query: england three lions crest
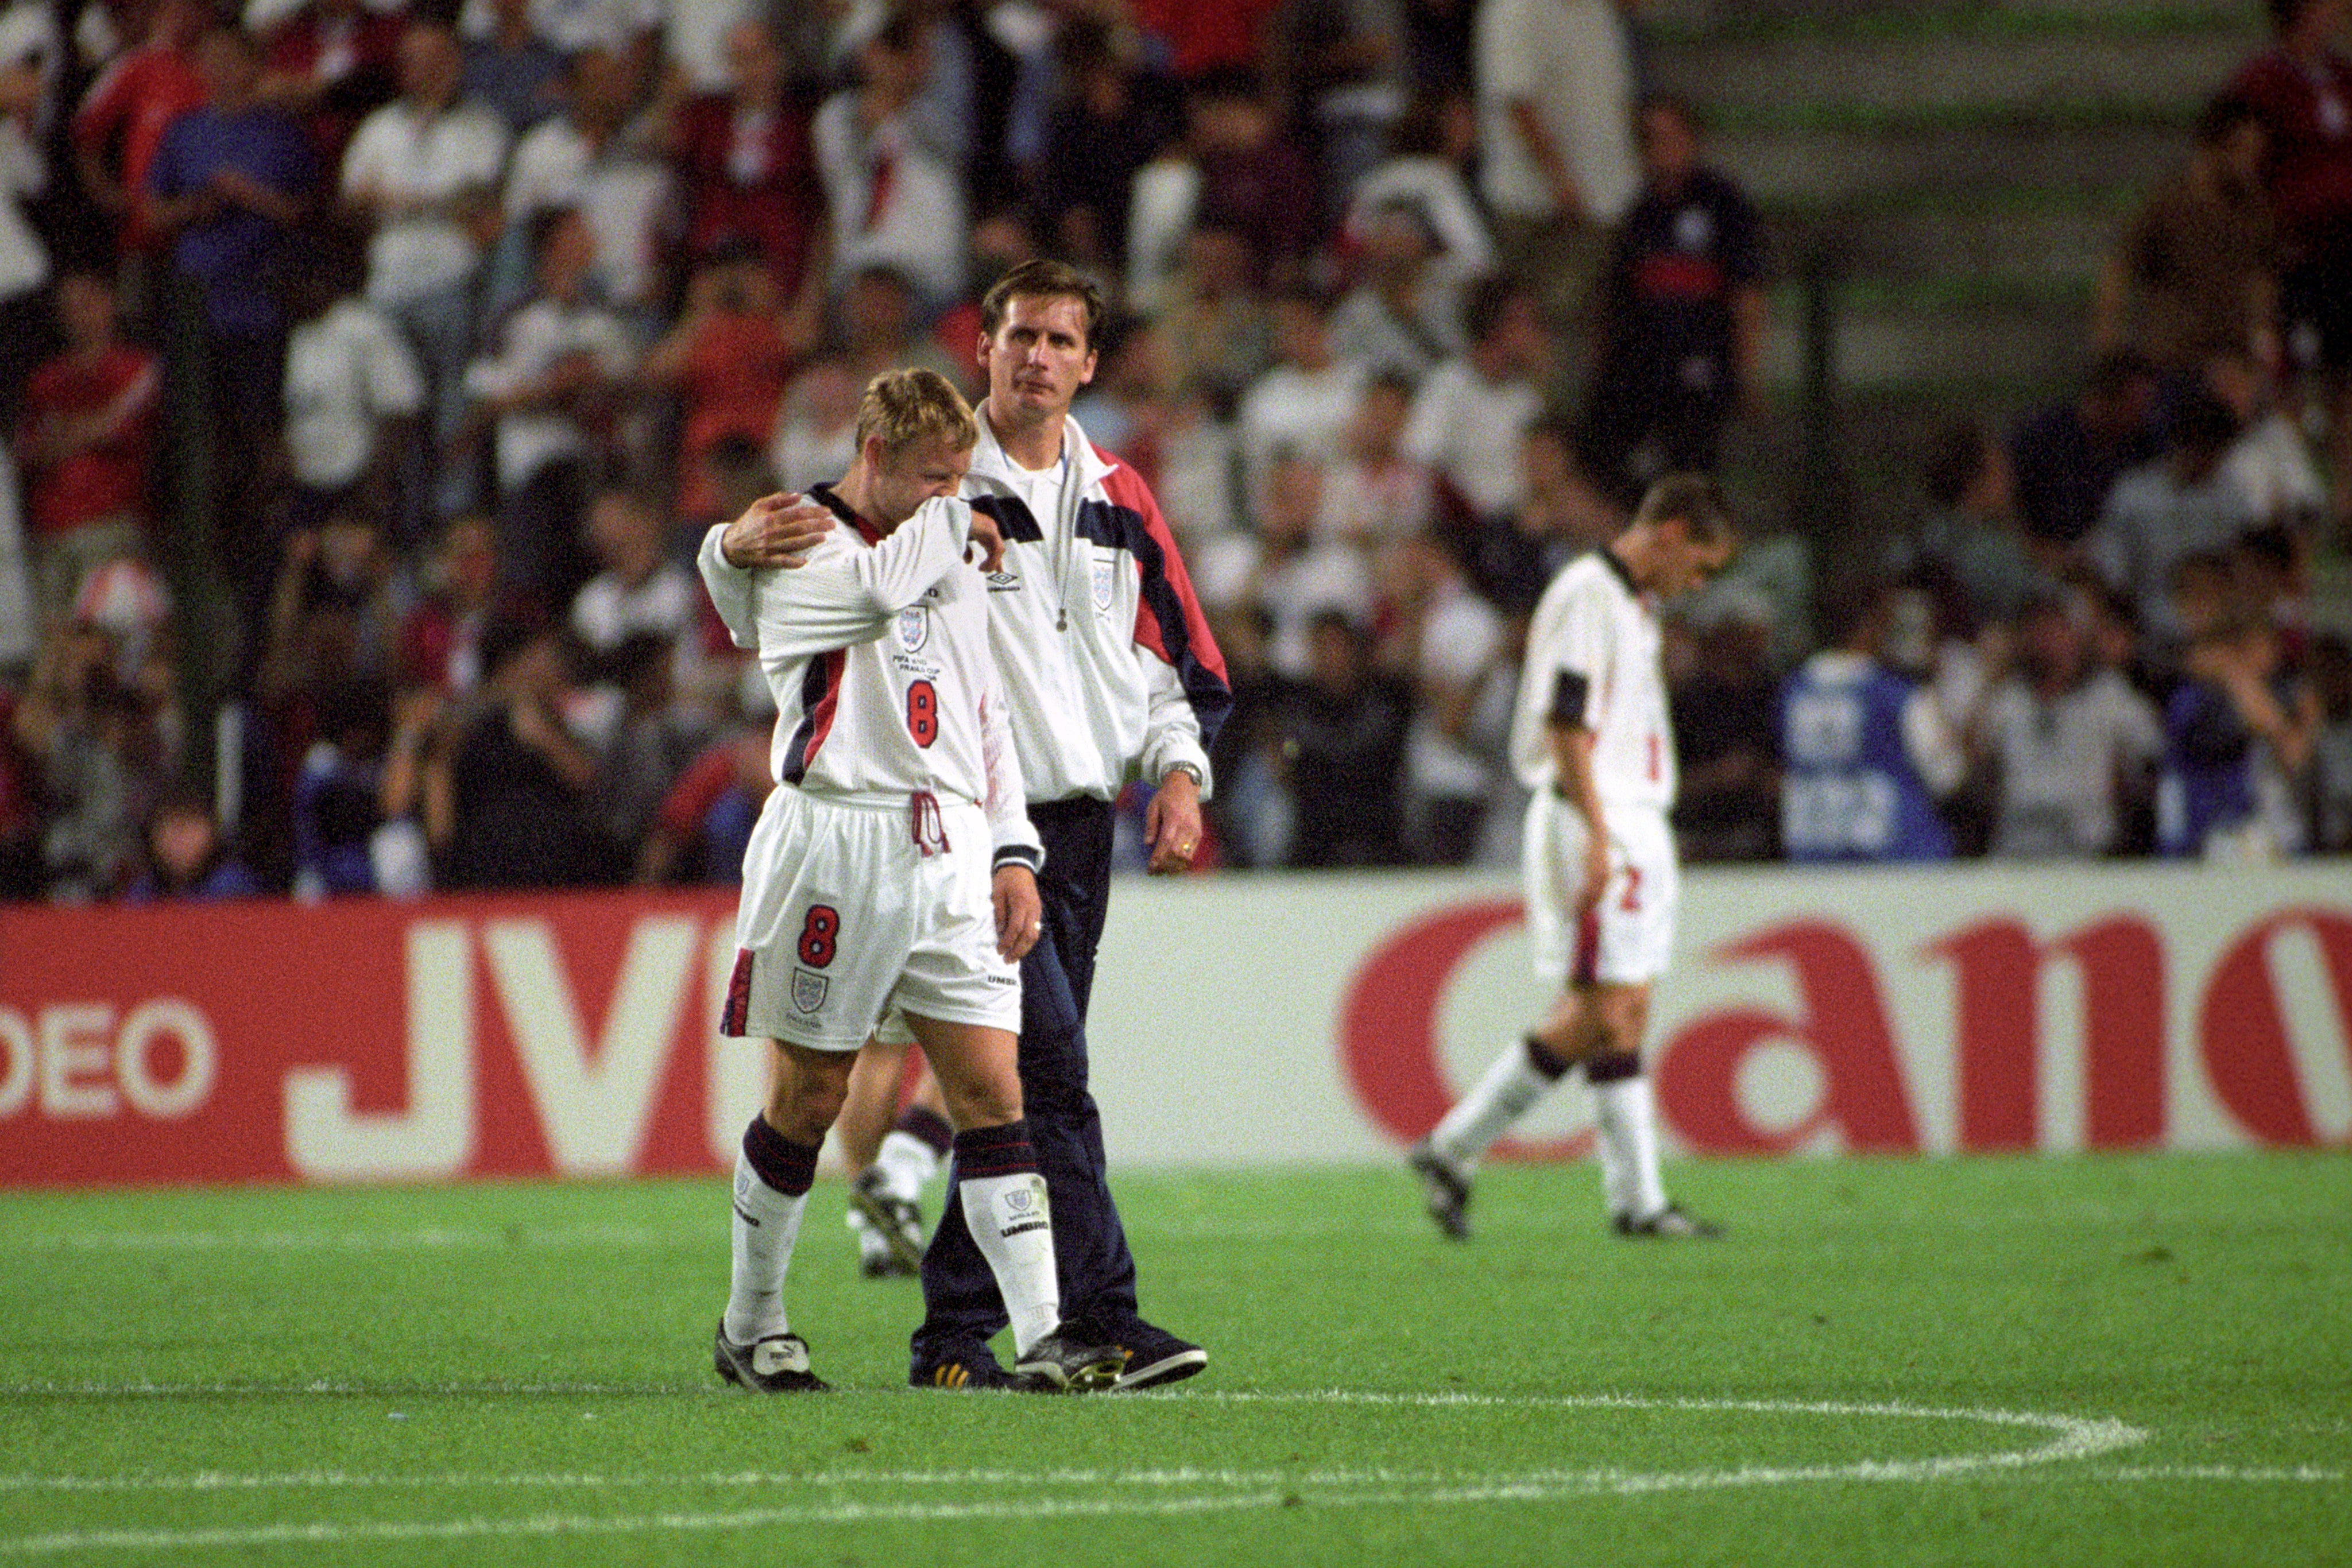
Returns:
(808,990)
(1106,567)
(914,627)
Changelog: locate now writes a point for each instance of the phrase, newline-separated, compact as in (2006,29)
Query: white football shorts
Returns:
(1628,939)
(844,917)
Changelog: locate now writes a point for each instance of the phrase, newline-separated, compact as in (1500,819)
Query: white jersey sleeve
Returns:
(1569,637)
(845,594)
(1011,837)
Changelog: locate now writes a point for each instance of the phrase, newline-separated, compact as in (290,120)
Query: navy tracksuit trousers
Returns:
(961,1307)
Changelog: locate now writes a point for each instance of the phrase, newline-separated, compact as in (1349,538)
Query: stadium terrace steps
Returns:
(1971,73)
(1965,168)
(2040,163)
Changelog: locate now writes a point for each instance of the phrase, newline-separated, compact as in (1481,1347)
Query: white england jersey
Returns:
(877,652)
(1593,659)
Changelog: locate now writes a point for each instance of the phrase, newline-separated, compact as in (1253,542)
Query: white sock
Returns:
(766,1224)
(1013,1226)
(1628,1144)
(907,1165)
(1510,1086)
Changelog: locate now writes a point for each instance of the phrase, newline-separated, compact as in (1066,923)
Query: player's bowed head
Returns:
(915,437)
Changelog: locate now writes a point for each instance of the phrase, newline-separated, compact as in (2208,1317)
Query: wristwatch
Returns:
(1190,771)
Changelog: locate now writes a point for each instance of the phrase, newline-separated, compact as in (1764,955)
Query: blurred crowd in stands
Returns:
(372,371)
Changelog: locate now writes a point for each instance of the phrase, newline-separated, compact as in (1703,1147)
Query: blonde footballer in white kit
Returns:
(1590,739)
(892,867)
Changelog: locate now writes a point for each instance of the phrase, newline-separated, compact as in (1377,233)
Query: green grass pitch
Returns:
(2101,1360)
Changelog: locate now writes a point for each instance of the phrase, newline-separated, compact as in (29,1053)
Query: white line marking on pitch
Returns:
(430,1238)
(2069,1439)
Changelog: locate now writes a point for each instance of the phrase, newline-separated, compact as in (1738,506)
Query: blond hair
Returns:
(903,407)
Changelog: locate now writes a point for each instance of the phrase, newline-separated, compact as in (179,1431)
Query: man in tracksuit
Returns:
(1111,675)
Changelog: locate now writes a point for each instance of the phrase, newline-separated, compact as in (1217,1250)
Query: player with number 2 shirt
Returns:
(1590,739)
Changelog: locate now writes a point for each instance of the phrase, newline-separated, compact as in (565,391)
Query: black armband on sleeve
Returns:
(1569,696)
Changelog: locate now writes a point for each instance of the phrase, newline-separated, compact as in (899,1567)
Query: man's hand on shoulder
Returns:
(775,531)
(989,538)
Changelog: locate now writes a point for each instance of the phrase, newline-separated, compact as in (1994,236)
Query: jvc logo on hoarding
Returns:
(593,1088)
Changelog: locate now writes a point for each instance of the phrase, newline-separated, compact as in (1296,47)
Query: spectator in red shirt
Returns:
(330,64)
(122,118)
(85,441)
(1253,181)
(2301,88)
(699,833)
(1203,38)
(729,359)
(439,640)
(749,174)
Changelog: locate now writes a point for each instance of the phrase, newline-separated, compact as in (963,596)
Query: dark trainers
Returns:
(777,1364)
(898,1223)
(1154,1356)
(1669,1222)
(976,1373)
(1445,1191)
(1059,1364)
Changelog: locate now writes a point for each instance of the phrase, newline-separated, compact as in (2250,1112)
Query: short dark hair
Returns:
(1848,603)
(1043,279)
(1672,103)
(2222,116)
(1694,498)
(2118,370)
(2202,423)
(1484,300)
(1956,455)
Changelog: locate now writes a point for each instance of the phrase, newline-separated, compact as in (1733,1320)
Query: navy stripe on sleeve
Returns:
(1570,696)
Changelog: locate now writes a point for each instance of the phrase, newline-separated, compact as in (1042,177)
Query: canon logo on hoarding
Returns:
(1393,1054)
(576,1035)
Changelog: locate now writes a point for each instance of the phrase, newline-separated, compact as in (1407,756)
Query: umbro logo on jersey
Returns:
(1004,582)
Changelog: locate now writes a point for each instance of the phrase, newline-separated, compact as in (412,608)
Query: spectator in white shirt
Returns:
(2270,462)
(1281,572)
(1304,402)
(28,66)
(586,157)
(1406,314)
(352,386)
(894,201)
(1449,644)
(638,588)
(1376,493)
(553,383)
(1556,130)
(816,431)
(2183,502)
(1424,170)
(2071,748)
(423,172)
(1469,416)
